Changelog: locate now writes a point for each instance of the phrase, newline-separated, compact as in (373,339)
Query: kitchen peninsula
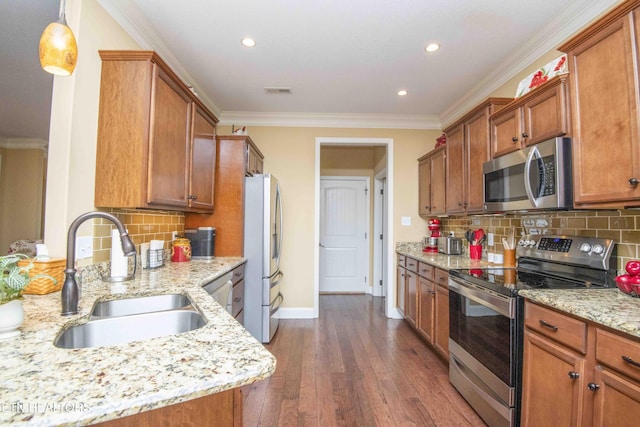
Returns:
(45,385)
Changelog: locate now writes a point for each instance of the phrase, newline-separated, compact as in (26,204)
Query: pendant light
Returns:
(58,48)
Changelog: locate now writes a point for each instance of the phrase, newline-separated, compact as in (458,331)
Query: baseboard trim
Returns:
(296,313)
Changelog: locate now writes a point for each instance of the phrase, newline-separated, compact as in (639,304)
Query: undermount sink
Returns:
(136,327)
(140,305)
(133,319)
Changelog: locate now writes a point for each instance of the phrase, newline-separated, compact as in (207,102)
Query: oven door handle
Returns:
(501,304)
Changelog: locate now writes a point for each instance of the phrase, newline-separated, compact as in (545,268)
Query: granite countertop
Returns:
(608,307)
(41,384)
(446,262)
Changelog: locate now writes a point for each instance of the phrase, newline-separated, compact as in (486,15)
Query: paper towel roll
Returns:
(119,264)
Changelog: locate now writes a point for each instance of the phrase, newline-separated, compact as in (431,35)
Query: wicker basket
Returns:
(44,285)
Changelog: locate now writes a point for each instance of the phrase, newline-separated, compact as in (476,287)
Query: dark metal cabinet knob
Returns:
(593,386)
(514,139)
(634,181)
(525,135)
(574,375)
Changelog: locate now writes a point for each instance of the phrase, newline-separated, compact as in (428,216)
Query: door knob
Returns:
(593,387)
(574,375)
(634,181)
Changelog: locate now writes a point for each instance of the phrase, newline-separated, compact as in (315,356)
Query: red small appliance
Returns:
(431,244)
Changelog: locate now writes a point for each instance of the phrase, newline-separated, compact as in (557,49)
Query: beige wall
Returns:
(290,155)
(74,122)
(21,189)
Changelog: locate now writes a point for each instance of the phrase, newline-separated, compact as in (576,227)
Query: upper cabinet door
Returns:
(603,65)
(203,161)
(169,143)
(505,132)
(455,170)
(477,152)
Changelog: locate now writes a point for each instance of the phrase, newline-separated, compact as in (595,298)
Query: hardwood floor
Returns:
(354,367)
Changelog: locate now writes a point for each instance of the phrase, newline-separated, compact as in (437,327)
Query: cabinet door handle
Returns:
(549,325)
(238,299)
(574,375)
(631,361)
(593,386)
(514,139)
(634,182)
(525,135)
(192,197)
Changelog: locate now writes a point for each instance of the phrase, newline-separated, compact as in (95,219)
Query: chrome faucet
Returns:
(70,289)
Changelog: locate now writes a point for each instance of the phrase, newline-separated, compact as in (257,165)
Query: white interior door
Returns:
(344,241)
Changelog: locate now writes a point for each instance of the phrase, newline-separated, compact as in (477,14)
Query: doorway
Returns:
(386,164)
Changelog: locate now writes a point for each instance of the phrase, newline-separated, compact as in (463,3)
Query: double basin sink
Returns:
(133,319)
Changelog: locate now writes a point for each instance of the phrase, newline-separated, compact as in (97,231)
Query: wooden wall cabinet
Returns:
(537,116)
(603,67)
(228,217)
(575,372)
(467,148)
(156,140)
(254,160)
(431,183)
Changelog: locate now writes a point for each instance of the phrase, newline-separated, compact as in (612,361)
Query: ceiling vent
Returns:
(278,90)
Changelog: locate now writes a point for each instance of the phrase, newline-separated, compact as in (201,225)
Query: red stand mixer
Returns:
(431,243)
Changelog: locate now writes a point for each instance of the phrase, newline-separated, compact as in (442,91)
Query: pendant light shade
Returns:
(58,47)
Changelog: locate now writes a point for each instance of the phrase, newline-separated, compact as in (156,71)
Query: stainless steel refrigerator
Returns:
(262,248)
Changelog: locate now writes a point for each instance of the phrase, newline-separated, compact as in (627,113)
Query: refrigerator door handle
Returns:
(277,276)
(279,207)
(280,300)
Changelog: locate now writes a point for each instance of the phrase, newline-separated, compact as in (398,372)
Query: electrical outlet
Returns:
(84,247)
(405,221)
(174,235)
(490,239)
(452,234)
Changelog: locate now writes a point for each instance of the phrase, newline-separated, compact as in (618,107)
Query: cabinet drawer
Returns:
(566,330)
(441,277)
(425,270)
(402,260)
(619,353)
(412,265)
(238,274)
(237,298)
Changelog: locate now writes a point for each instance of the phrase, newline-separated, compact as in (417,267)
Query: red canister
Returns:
(181,250)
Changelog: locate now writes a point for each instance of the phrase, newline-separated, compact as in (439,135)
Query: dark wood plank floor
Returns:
(354,367)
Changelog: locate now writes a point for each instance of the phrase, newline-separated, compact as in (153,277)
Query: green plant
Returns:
(14,277)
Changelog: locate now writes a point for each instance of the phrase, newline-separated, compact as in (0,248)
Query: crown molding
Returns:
(569,22)
(129,17)
(24,144)
(333,120)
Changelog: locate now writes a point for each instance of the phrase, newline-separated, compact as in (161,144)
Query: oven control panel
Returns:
(580,250)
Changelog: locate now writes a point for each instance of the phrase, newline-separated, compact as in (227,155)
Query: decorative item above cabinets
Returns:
(156,140)
(537,116)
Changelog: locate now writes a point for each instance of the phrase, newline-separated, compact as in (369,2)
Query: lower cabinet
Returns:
(576,373)
(222,409)
(237,294)
(426,301)
(400,283)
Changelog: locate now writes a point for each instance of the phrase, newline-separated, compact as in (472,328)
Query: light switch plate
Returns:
(405,220)
(490,239)
(84,247)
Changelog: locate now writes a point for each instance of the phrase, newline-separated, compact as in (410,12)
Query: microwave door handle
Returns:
(527,170)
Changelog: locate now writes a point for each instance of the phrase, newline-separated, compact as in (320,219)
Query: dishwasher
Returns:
(220,290)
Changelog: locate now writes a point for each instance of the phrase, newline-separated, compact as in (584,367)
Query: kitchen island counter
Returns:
(41,384)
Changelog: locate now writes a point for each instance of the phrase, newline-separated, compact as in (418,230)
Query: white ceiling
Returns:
(344,60)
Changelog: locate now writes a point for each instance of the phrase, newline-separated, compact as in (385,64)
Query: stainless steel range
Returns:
(486,316)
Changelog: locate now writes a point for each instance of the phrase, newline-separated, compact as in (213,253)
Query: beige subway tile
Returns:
(101,256)
(628,236)
(625,250)
(137,219)
(622,223)
(600,223)
(102,230)
(609,234)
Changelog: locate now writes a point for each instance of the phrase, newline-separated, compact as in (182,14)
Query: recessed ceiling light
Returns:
(402,92)
(432,47)
(248,42)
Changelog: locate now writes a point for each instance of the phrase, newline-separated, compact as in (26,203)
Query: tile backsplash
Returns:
(143,226)
(623,226)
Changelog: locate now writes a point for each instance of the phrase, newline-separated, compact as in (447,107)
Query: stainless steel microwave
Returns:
(537,177)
